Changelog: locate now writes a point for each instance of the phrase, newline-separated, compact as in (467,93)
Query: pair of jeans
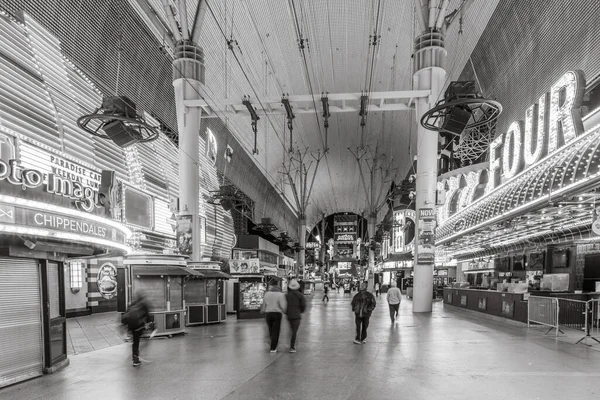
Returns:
(274,324)
(394,310)
(362,323)
(325,297)
(135,348)
(294,325)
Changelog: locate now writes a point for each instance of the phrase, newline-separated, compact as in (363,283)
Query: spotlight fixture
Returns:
(255,118)
(290,117)
(363,109)
(119,121)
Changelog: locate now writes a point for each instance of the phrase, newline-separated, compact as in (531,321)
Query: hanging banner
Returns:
(184,234)
(426,226)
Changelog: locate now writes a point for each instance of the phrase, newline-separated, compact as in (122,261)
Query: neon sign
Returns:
(554,121)
(86,198)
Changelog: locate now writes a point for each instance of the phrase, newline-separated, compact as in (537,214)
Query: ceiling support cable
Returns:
(230,45)
(302,44)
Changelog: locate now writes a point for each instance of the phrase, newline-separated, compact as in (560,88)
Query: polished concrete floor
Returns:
(443,355)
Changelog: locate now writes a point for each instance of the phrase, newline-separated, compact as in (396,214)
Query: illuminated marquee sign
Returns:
(21,219)
(554,121)
(345,237)
(403,231)
(86,198)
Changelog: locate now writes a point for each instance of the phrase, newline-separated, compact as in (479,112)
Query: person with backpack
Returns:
(296,304)
(273,306)
(136,318)
(363,304)
(326,290)
(394,297)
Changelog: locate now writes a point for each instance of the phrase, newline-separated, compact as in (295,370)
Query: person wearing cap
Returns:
(274,305)
(296,304)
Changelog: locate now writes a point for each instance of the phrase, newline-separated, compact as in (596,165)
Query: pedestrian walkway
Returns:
(94,332)
(443,355)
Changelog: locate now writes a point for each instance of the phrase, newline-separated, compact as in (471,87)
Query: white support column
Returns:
(188,78)
(429,74)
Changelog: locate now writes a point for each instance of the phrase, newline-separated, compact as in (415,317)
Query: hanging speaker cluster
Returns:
(117,120)
(462,107)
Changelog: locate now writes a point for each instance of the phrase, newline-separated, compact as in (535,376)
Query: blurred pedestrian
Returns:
(377,289)
(394,297)
(136,318)
(296,304)
(325,290)
(274,305)
(363,304)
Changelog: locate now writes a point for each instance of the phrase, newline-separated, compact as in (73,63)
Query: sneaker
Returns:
(292,350)
(273,351)
(356,341)
(153,333)
(364,341)
(137,363)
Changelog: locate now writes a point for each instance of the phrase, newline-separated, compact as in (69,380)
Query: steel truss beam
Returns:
(304,104)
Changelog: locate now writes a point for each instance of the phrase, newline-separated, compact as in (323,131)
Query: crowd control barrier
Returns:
(557,313)
(543,311)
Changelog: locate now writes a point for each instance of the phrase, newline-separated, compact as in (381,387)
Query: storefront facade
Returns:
(529,213)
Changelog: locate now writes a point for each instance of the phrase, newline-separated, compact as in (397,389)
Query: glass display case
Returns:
(251,295)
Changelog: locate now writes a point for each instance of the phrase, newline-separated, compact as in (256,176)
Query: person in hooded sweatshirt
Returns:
(274,305)
(296,304)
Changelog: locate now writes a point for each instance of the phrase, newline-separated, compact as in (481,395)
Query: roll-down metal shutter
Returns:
(21,343)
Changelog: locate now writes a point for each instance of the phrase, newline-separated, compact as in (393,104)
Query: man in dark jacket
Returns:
(136,318)
(363,304)
(296,304)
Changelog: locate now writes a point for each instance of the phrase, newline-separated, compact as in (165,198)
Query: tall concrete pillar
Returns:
(302,238)
(188,79)
(429,74)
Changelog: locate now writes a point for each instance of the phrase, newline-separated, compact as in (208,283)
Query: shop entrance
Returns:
(21,342)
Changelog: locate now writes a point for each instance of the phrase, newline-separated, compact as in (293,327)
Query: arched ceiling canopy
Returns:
(266,49)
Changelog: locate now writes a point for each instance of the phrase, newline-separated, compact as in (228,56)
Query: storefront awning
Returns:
(213,273)
(171,270)
(394,257)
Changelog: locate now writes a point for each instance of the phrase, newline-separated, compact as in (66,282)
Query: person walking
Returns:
(136,319)
(394,297)
(377,289)
(325,290)
(363,304)
(296,304)
(274,305)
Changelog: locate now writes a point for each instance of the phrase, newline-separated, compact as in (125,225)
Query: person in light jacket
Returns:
(394,296)
(274,305)
(296,304)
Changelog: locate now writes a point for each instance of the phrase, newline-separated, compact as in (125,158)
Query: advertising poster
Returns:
(249,266)
(596,222)
(184,234)
(426,225)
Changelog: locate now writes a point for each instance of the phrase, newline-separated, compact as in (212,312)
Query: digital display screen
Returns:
(139,208)
(559,259)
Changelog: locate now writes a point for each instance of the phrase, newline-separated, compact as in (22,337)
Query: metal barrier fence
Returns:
(543,311)
(583,316)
